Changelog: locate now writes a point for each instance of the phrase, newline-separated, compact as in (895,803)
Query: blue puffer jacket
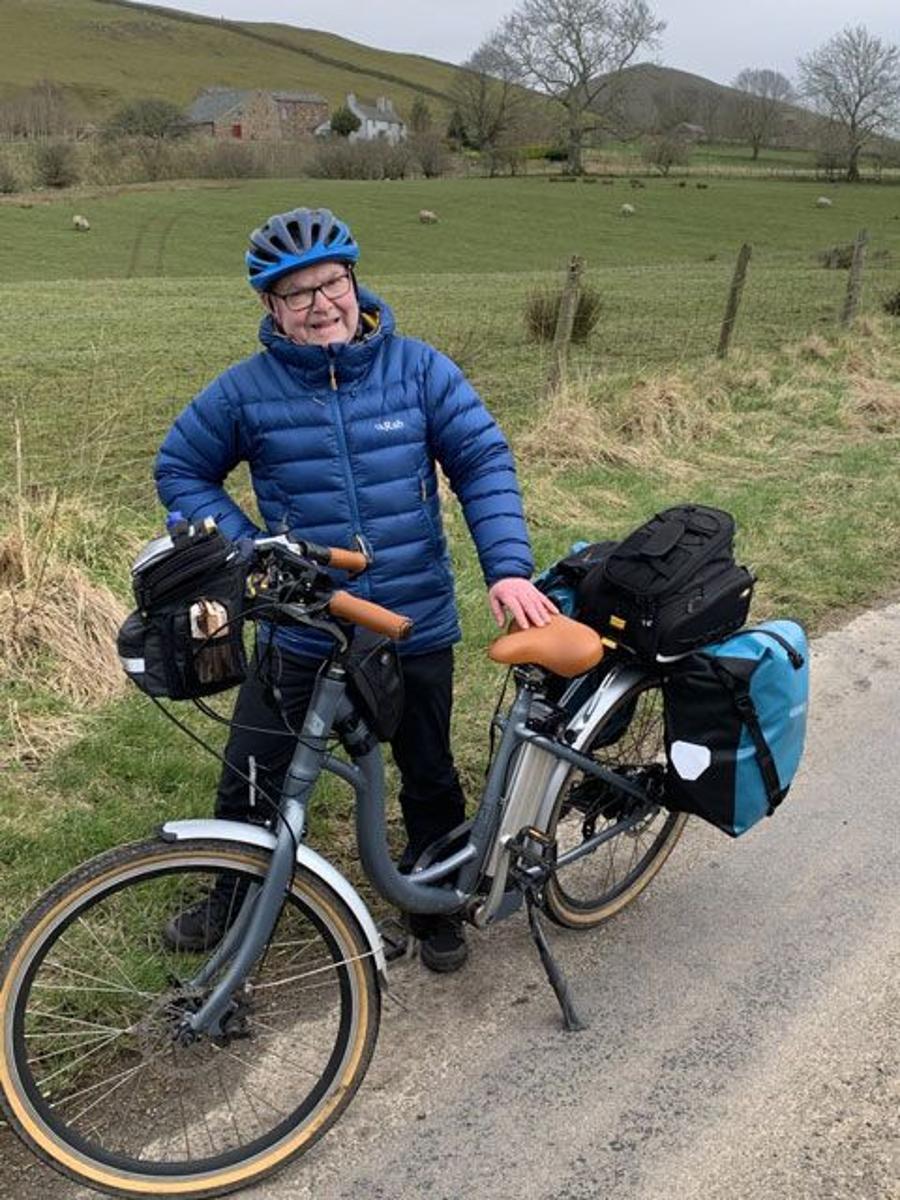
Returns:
(343,440)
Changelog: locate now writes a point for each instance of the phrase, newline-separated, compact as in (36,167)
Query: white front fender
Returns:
(257,835)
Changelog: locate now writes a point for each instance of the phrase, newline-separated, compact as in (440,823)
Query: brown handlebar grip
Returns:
(372,616)
(353,561)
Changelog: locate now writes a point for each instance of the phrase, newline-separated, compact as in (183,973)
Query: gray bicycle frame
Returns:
(525,776)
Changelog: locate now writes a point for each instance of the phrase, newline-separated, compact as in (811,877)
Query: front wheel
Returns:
(593,888)
(96,1073)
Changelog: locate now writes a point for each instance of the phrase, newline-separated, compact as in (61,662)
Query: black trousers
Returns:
(431,798)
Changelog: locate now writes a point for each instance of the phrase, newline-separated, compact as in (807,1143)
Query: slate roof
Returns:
(369,112)
(214,103)
(300,97)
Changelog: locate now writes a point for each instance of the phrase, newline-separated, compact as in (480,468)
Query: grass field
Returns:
(106,335)
(509,226)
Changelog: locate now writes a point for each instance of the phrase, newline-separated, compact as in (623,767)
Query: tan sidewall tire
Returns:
(578,918)
(133,861)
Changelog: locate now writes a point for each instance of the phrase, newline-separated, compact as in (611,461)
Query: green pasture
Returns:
(111,332)
(107,335)
(509,226)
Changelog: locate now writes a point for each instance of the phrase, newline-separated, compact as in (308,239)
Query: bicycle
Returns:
(137,1069)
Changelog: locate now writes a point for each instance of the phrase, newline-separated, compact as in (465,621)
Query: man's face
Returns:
(316,318)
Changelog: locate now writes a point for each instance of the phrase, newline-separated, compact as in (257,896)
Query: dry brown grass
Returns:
(57,630)
(874,403)
(814,347)
(643,427)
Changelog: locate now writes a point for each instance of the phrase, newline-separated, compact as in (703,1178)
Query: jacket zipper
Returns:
(363,582)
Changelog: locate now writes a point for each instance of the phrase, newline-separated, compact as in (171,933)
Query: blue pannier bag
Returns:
(735,722)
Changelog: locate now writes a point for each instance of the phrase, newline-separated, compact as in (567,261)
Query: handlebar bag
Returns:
(185,639)
(735,723)
(375,682)
(670,586)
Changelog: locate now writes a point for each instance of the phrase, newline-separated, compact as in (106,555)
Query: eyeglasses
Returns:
(304,298)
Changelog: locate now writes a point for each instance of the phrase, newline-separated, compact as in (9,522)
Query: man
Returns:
(342,422)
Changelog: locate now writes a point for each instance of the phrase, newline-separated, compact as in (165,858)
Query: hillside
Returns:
(656,97)
(104,52)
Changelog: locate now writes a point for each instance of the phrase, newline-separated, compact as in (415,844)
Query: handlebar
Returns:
(372,616)
(353,561)
(298,578)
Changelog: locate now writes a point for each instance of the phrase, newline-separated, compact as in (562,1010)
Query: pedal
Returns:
(395,938)
(530,848)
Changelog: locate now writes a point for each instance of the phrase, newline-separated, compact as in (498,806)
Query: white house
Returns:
(378,122)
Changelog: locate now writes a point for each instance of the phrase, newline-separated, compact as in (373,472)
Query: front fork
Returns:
(246,942)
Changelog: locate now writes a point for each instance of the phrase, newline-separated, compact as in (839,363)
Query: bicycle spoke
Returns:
(101,1050)
(106,984)
(317,971)
(45,1079)
(108,953)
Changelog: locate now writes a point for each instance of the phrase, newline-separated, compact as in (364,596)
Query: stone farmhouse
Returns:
(378,122)
(257,115)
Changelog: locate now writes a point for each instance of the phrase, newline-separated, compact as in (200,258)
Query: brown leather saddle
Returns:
(565,647)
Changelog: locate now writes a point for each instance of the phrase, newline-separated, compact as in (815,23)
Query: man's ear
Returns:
(265,299)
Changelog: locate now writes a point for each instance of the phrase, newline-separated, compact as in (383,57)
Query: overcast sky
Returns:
(714,38)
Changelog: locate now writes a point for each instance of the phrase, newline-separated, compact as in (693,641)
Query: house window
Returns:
(236,130)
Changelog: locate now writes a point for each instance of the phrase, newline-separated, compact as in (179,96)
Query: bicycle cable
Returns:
(252,783)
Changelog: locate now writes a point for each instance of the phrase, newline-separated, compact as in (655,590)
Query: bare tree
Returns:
(854,78)
(575,50)
(760,111)
(486,96)
(676,104)
(665,152)
(41,111)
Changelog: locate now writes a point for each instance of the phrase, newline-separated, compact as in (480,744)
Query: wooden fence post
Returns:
(855,280)
(734,298)
(565,322)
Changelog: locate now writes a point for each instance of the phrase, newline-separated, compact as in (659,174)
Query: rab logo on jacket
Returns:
(388,426)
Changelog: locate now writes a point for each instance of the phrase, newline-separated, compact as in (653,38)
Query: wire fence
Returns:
(89,399)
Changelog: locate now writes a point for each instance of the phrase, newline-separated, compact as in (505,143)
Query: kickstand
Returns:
(572,1023)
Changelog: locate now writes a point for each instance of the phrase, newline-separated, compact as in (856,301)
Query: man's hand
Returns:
(522,600)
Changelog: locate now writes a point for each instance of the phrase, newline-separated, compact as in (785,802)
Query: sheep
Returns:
(702,186)
(427,217)
(80,223)
(823,202)
(627,210)
(637,183)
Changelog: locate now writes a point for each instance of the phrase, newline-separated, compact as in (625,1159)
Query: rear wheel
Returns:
(591,889)
(99,1076)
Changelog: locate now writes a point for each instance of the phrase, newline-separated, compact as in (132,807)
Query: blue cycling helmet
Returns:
(299,238)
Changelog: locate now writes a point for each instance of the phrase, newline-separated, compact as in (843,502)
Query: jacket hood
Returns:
(348,360)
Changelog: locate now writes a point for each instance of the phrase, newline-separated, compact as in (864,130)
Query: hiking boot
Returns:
(202,925)
(442,943)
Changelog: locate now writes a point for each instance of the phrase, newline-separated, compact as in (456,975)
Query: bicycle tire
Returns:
(341,1008)
(592,890)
